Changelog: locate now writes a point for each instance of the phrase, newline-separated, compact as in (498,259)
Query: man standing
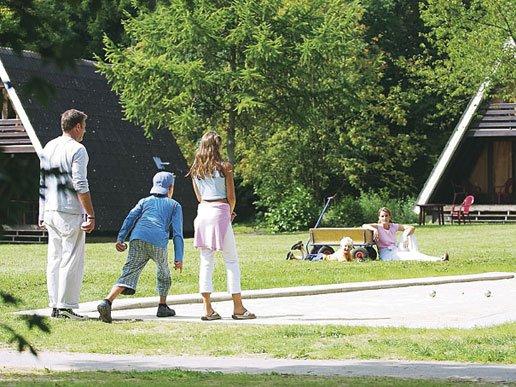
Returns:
(64,204)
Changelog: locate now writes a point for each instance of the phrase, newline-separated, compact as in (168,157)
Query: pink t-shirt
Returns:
(387,238)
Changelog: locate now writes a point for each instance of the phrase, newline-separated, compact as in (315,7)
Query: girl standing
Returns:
(384,233)
(214,188)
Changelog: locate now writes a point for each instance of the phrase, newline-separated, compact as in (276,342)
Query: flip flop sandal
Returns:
(244,316)
(211,317)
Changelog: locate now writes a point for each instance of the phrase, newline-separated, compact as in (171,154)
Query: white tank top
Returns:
(212,187)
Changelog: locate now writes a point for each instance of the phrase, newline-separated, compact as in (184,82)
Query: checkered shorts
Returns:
(139,254)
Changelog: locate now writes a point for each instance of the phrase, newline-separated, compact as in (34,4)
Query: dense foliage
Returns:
(65,30)
(295,87)
(319,97)
(473,41)
(349,211)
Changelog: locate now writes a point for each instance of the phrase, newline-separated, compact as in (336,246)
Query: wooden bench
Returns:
(332,236)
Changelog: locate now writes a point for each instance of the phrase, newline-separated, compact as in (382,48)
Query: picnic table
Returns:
(435,209)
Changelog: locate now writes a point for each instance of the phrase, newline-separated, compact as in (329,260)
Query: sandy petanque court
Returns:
(437,302)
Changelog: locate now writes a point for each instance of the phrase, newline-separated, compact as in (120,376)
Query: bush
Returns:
(401,209)
(370,203)
(297,211)
(345,212)
(353,212)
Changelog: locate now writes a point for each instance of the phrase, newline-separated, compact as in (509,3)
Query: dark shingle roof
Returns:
(121,166)
(496,119)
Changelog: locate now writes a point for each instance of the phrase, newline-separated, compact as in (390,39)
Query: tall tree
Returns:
(91,20)
(40,26)
(437,54)
(294,82)
(63,30)
(474,41)
(237,66)
(395,27)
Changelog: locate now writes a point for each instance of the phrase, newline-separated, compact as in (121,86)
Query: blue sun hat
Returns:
(161,182)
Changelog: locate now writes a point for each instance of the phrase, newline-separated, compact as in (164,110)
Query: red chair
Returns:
(463,211)
(503,192)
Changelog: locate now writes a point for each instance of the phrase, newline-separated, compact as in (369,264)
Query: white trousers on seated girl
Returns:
(409,253)
(230,255)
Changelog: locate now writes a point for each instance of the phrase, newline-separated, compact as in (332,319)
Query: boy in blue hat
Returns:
(149,223)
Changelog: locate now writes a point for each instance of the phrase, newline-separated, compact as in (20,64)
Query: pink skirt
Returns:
(211,224)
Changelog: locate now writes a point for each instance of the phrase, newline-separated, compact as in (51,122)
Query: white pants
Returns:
(231,261)
(65,259)
(409,253)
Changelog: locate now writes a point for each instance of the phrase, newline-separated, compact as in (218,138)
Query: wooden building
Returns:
(480,160)
(122,160)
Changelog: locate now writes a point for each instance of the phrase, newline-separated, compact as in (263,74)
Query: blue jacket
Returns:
(153,220)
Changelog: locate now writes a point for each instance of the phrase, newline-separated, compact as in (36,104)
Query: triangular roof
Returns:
(450,148)
(488,120)
(454,141)
(121,158)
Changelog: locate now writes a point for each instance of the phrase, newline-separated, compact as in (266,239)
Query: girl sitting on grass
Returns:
(384,233)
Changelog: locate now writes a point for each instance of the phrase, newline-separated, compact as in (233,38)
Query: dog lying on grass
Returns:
(343,254)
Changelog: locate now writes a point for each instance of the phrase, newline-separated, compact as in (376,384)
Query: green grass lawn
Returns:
(473,249)
(186,378)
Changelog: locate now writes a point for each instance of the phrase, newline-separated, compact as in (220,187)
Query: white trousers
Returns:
(230,255)
(408,253)
(65,259)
